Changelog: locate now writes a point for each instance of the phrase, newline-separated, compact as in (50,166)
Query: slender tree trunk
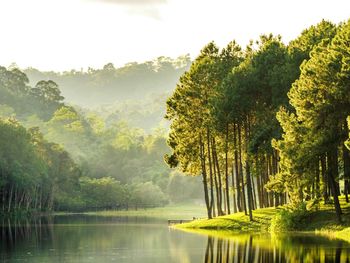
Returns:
(254,193)
(204,175)
(217,191)
(346,161)
(3,199)
(317,182)
(241,169)
(40,198)
(218,173)
(266,178)
(248,177)
(258,181)
(210,175)
(10,199)
(270,172)
(324,179)
(234,190)
(237,188)
(333,173)
(15,201)
(226,171)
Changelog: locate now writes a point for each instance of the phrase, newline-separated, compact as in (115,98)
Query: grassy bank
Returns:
(321,220)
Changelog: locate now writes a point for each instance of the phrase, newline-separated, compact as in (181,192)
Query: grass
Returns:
(322,221)
(235,222)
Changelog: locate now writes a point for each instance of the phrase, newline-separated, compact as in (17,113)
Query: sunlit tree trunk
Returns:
(236,165)
(204,176)
(248,176)
(210,174)
(226,171)
(218,176)
(241,169)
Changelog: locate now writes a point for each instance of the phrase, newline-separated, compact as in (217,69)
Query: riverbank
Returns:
(321,220)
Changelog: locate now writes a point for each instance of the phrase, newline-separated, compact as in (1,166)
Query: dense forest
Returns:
(55,156)
(266,125)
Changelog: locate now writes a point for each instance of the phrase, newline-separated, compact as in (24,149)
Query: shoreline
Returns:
(321,222)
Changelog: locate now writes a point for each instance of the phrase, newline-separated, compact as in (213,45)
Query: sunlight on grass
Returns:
(321,221)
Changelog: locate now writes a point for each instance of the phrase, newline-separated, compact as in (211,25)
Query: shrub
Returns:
(289,220)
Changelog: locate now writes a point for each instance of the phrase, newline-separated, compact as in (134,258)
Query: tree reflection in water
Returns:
(123,239)
(26,233)
(278,249)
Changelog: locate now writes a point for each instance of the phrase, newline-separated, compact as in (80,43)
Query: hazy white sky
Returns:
(66,34)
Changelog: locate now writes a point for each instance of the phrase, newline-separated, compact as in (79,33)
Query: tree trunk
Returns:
(248,177)
(241,169)
(234,191)
(226,172)
(218,201)
(204,175)
(210,175)
(258,181)
(237,188)
(346,160)
(270,172)
(317,182)
(332,174)
(10,199)
(218,176)
(324,179)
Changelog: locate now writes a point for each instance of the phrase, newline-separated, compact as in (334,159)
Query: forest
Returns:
(266,125)
(58,156)
(258,127)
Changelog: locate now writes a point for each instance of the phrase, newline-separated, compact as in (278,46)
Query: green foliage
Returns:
(33,171)
(289,220)
(313,127)
(15,92)
(101,193)
(148,195)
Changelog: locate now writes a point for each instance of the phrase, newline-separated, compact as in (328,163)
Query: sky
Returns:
(76,34)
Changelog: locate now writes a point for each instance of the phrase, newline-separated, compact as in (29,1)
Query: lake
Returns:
(82,238)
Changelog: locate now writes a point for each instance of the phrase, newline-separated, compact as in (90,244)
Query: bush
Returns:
(289,220)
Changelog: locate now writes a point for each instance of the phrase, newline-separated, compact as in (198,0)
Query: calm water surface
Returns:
(130,239)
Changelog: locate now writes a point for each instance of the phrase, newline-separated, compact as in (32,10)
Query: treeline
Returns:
(17,97)
(33,171)
(232,103)
(135,92)
(133,81)
(57,157)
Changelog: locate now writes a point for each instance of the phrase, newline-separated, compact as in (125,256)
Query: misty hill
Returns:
(133,81)
(135,93)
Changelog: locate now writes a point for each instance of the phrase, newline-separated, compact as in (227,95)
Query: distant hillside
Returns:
(108,85)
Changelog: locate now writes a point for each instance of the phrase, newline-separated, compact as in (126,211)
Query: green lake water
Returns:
(134,239)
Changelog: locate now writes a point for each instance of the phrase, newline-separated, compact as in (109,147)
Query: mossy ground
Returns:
(321,220)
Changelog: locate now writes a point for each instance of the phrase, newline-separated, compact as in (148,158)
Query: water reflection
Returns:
(13,233)
(278,249)
(97,239)
(129,239)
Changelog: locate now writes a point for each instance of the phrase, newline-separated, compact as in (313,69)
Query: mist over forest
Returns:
(95,139)
(135,92)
